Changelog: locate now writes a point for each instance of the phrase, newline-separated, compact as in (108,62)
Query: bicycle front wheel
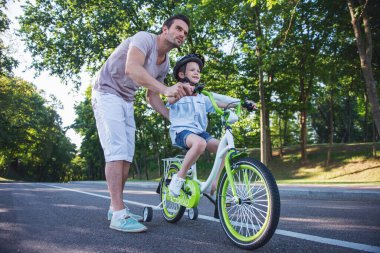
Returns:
(251,218)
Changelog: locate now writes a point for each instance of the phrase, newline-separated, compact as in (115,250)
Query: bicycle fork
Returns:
(229,175)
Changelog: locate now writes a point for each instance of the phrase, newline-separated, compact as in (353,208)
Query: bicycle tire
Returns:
(172,212)
(251,221)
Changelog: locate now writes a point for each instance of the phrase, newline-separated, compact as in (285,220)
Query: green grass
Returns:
(350,164)
(2,179)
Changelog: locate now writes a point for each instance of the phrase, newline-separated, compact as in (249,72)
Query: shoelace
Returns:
(178,183)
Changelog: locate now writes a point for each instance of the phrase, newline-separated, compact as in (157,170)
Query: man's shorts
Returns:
(116,126)
(180,139)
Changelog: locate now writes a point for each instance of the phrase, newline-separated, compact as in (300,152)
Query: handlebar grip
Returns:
(249,106)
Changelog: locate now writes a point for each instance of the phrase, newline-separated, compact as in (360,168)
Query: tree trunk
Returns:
(366,128)
(137,168)
(374,140)
(263,127)
(303,116)
(349,119)
(280,136)
(364,43)
(285,132)
(269,138)
(331,129)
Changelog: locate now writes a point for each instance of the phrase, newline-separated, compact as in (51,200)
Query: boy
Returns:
(188,118)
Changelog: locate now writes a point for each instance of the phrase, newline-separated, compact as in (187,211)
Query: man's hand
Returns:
(177,91)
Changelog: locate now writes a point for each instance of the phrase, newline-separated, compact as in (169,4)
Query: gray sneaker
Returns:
(127,224)
(134,216)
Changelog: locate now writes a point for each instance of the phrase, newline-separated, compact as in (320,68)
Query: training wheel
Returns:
(148,214)
(192,213)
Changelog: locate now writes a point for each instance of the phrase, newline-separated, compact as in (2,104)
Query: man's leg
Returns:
(125,172)
(115,176)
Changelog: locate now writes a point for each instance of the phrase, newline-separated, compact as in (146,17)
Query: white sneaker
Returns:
(176,185)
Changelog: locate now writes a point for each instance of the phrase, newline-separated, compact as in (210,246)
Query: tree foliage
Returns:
(33,145)
(314,88)
(7,63)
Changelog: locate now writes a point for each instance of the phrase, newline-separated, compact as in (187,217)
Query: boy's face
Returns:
(193,73)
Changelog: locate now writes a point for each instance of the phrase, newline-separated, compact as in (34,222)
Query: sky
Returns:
(49,84)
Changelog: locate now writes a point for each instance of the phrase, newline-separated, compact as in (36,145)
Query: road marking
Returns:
(346,244)
(313,238)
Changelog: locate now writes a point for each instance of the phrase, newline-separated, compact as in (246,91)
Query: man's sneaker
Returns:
(176,185)
(134,216)
(127,224)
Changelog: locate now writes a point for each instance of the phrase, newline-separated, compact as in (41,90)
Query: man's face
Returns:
(177,32)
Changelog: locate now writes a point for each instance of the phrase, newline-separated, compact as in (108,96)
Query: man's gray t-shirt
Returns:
(112,78)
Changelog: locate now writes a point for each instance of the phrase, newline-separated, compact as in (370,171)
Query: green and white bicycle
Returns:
(247,200)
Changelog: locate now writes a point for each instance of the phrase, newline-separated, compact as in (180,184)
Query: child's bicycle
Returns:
(247,200)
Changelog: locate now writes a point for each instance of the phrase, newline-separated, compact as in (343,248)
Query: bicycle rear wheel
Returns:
(171,211)
(251,219)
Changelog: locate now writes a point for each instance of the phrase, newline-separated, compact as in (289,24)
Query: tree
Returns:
(7,63)
(33,146)
(363,35)
(90,149)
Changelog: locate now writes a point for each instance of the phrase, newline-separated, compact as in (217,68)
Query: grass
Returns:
(350,164)
(2,179)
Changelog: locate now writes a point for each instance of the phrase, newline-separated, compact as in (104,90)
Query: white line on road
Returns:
(313,238)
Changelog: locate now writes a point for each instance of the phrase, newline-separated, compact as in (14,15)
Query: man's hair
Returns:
(168,23)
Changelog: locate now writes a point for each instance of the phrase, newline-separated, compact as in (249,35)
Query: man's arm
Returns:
(135,70)
(156,102)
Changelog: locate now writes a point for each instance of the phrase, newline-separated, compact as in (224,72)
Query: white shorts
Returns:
(116,126)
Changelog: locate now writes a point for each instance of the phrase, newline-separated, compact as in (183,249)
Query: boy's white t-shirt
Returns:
(189,113)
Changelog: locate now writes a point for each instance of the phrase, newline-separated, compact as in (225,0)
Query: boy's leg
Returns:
(197,146)
(212,146)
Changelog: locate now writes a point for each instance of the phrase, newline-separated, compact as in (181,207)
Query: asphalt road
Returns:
(51,217)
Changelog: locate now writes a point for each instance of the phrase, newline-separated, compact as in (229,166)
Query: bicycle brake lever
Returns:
(198,88)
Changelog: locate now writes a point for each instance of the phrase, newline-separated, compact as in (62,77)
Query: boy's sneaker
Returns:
(134,216)
(127,224)
(176,185)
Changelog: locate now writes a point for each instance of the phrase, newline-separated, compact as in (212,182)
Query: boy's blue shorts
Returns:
(180,139)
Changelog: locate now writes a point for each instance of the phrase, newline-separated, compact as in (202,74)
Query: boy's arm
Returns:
(154,99)
(224,101)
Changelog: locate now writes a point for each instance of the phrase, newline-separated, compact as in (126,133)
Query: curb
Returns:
(352,193)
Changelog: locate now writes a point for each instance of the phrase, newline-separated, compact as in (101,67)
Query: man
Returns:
(141,60)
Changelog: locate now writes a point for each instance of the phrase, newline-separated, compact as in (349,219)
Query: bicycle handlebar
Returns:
(246,104)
